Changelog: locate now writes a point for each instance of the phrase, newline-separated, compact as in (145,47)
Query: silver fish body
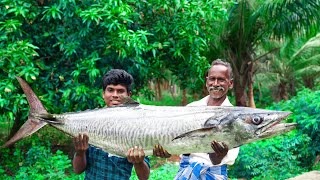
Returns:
(179,129)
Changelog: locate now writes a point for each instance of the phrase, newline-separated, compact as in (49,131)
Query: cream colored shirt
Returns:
(232,154)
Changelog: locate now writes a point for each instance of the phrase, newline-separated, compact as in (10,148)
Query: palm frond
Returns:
(310,71)
(292,17)
(269,79)
(312,43)
(303,62)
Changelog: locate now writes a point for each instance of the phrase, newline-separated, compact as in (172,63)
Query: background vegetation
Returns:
(63,47)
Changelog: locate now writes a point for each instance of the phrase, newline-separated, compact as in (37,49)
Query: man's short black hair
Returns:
(116,77)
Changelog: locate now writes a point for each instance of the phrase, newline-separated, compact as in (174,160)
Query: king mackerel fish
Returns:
(179,129)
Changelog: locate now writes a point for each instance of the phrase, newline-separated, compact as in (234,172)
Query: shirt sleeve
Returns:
(230,158)
(147,160)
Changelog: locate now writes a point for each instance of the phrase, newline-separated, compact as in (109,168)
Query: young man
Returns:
(98,164)
(209,165)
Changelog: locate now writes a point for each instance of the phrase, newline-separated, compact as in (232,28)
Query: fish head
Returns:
(236,126)
(245,125)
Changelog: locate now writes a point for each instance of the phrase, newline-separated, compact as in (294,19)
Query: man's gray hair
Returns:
(223,63)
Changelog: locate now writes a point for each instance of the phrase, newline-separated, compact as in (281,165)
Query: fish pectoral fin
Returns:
(47,117)
(198,133)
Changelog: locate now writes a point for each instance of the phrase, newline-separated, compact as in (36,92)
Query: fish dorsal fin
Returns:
(128,101)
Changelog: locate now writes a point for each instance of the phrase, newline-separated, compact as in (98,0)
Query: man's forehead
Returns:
(118,86)
(218,68)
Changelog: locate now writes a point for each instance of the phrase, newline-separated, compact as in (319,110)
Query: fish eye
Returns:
(257,120)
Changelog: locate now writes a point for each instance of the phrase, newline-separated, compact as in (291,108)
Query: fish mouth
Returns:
(275,127)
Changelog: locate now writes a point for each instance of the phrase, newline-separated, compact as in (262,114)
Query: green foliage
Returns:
(166,171)
(306,107)
(282,153)
(289,154)
(63,47)
(296,63)
(167,100)
(281,13)
(36,163)
(252,24)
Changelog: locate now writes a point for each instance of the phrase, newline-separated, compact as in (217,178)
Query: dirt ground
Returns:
(312,175)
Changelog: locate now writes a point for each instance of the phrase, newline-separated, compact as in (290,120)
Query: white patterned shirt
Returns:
(230,158)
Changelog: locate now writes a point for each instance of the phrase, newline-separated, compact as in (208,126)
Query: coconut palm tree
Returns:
(252,23)
(307,60)
(297,61)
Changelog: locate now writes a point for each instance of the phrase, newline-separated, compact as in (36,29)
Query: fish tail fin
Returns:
(33,123)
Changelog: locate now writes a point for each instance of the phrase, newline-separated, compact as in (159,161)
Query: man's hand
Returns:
(160,152)
(219,152)
(81,143)
(135,155)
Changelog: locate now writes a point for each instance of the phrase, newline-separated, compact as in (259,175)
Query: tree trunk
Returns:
(158,90)
(250,95)
(240,72)
(195,96)
(292,88)
(184,97)
(240,90)
(308,82)
(173,91)
(283,91)
(240,95)
(165,85)
(316,161)
(250,87)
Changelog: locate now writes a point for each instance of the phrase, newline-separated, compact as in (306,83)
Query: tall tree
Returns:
(182,31)
(65,46)
(297,62)
(254,22)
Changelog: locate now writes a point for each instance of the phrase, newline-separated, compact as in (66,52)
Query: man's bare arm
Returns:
(81,145)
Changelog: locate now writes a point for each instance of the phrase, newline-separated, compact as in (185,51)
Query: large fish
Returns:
(180,130)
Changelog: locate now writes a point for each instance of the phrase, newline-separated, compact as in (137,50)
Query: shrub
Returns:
(306,107)
(37,163)
(275,158)
(286,155)
(165,171)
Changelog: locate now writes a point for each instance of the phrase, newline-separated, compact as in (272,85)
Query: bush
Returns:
(286,155)
(281,153)
(165,171)
(306,107)
(36,163)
